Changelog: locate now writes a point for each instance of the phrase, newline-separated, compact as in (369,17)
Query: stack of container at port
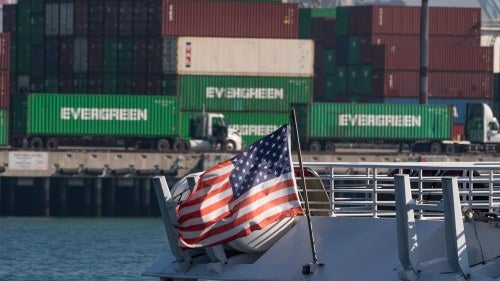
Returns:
(243,59)
(385,41)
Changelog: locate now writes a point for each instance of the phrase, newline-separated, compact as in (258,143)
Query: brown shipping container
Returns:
(454,21)
(384,19)
(392,57)
(447,84)
(414,40)
(95,54)
(448,21)
(81,17)
(66,54)
(111,12)
(230,19)
(461,58)
(395,84)
(5,51)
(9,18)
(4,89)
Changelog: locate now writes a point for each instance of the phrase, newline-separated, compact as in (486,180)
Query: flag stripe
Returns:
(253,197)
(245,193)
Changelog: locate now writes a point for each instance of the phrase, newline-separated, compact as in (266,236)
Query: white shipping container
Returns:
(81,55)
(245,56)
(52,19)
(66,16)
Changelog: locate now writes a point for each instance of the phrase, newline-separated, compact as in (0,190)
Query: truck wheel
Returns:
(36,143)
(163,145)
(435,148)
(449,149)
(179,145)
(315,146)
(229,146)
(330,147)
(52,143)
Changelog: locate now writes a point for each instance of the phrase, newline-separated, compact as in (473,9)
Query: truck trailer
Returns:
(137,121)
(418,128)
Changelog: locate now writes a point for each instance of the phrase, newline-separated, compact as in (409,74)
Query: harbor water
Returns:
(49,248)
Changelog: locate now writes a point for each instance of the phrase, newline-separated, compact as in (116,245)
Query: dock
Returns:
(83,182)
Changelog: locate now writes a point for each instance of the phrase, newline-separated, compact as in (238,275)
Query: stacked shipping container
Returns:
(243,59)
(246,59)
(4,86)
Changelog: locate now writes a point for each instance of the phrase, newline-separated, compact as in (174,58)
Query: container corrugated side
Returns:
(5,51)
(102,115)
(376,121)
(459,105)
(245,56)
(384,19)
(242,93)
(252,125)
(230,19)
(4,127)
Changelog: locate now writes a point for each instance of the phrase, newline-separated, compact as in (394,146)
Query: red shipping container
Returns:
(447,84)
(5,51)
(392,57)
(457,132)
(380,19)
(414,40)
(384,19)
(4,89)
(395,84)
(461,58)
(454,21)
(230,19)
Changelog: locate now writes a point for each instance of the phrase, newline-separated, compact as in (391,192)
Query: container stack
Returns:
(243,59)
(377,58)
(85,46)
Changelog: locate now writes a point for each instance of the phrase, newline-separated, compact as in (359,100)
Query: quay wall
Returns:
(118,183)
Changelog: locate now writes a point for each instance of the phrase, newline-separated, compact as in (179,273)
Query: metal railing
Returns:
(367,189)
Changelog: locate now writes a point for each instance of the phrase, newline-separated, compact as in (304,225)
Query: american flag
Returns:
(242,194)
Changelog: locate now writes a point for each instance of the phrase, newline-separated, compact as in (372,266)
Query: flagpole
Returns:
(306,200)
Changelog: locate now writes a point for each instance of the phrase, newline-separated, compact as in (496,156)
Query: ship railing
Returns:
(367,189)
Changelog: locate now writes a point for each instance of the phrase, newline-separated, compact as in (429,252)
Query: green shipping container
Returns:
(110,60)
(102,115)
(252,125)
(238,93)
(373,122)
(4,127)
(340,80)
(342,21)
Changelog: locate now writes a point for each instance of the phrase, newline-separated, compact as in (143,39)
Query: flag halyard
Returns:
(243,194)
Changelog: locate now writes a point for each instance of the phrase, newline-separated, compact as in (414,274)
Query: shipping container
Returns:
(96,17)
(373,122)
(4,51)
(51,54)
(455,21)
(461,58)
(414,40)
(4,89)
(461,85)
(384,19)
(81,17)
(81,48)
(395,83)
(459,106)
(66,54)
(102,115)
(95,54)
(111,17)
(9,19)
(126,13)
(242,56)
(242,93)
(394,57)
(342,20)
(230,19)
(66,17)
(4,127)
(140,17)
(154,18)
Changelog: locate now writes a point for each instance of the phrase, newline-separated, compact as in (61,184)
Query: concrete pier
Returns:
(118,183)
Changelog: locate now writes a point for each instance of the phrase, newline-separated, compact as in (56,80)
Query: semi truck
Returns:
(133,121)
(418,128)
